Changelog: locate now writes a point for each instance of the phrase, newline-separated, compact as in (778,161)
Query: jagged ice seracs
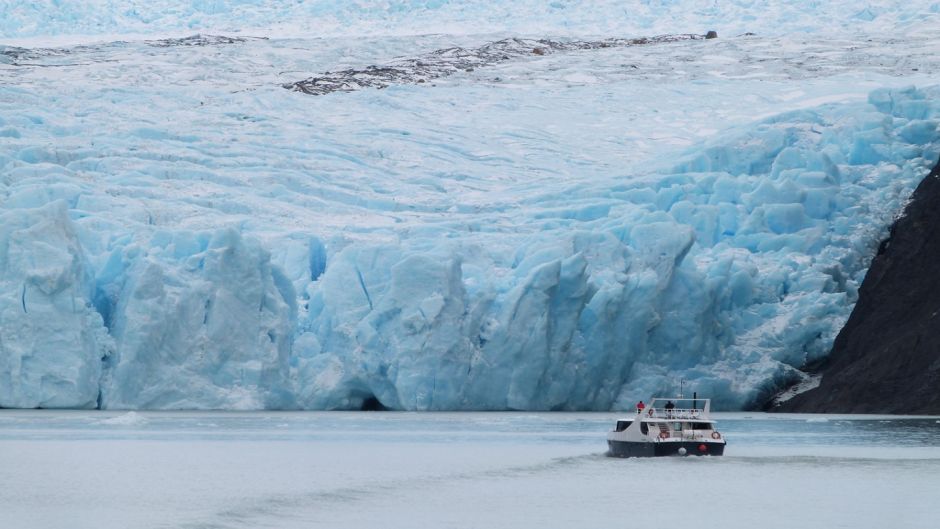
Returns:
(556,233)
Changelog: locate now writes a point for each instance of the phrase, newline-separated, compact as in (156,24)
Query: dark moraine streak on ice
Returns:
(201,40)
(16,55)
(448,61)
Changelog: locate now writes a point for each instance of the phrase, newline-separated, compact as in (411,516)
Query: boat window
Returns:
(701,426)
(644,428)
(677,426)
(622,425)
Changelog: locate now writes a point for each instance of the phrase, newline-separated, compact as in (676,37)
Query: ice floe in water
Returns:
(130,418)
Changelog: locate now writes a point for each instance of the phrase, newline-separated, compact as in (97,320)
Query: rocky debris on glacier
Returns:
(17,56)
(9,54)
(445,62)
(200,40)
(885,359)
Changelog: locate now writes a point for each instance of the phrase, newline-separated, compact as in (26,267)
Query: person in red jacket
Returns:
(640,406)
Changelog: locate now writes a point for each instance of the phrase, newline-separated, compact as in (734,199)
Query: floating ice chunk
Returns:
(130,418)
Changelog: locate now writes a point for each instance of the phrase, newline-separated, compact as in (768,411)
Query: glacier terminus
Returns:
(574,228)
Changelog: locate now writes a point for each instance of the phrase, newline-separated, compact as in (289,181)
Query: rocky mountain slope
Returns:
(887,357)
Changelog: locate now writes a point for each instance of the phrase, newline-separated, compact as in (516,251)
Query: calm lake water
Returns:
(89,469)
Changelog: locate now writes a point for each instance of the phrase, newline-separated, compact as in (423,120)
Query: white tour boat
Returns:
(667,427)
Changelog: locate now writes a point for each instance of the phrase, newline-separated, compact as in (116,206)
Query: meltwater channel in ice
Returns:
(566,230)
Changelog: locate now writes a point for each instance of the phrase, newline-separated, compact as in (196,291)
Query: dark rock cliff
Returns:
(887,357)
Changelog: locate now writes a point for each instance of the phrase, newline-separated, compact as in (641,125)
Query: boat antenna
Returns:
(680,388)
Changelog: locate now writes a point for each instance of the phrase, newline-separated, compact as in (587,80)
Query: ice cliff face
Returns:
(575,230)
(52,339)
(199,321)
(730,272)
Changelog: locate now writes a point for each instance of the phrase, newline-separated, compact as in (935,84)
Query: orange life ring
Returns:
(664,435)
(716,435)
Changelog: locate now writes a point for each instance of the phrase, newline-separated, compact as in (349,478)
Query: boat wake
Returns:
(307,506)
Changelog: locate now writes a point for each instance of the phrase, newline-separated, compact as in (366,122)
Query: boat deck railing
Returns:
(676,413)
(691,435)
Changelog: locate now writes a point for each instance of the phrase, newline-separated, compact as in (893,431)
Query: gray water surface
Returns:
(373,469)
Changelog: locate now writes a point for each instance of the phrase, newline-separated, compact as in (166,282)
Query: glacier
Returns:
(572,231)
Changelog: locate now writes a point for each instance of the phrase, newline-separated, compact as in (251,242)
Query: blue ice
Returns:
(157,267)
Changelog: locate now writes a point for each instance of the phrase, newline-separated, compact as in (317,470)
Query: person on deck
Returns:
(669,407)
(640,406)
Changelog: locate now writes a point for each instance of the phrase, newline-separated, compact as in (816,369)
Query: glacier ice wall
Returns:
(730,268)
(574,231)
(730,271)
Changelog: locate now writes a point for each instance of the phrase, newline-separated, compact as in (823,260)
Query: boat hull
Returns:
(667,448)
